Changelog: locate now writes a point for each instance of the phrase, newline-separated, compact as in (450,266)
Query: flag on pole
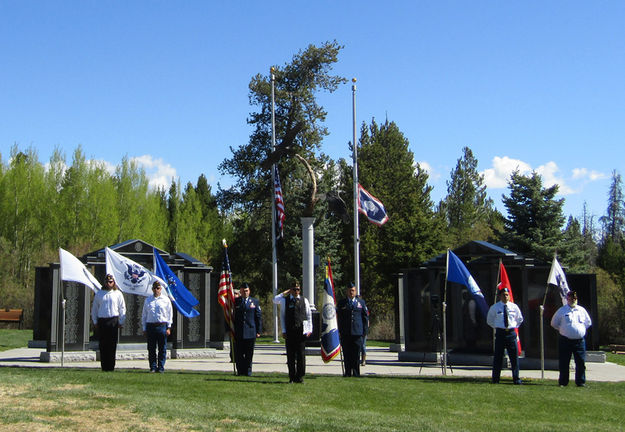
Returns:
(505,283)
(557,278)
(330,343)
(371,207)
(457,272)
(180,296)
(73,270)
(225,295)
(280,214)
(130,277)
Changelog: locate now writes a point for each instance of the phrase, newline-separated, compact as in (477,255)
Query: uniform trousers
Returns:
(505,339)
(108,335)
(243,353)
(577,347)
(296,354)
(157,338)
(352,346)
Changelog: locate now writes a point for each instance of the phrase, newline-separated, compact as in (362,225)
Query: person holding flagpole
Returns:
(248,325)
(108,313)
(505,317)
(156,319)
(352,321)
(571,321)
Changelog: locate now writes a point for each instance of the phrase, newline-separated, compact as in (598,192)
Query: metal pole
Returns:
(355,175)
(63,332)
(445,317)
(274,255)
(542,345)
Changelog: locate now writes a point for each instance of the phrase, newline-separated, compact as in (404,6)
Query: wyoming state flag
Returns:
(330,343)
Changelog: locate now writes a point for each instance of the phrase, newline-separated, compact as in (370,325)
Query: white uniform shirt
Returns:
(157,310)
(307,324)
(495,316)
(571,322)
(108,304)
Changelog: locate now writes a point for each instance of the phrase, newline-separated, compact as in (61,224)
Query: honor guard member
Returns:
(108,313)
(353,322)
(571,321)
(247,327)
(296,320)
(505,316)
(156,320)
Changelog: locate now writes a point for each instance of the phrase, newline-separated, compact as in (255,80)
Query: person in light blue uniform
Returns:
(248,325)
(571,321)
(156,319)
(505,316)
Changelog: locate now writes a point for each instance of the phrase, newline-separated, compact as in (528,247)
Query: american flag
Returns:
(280,215)
(225,295)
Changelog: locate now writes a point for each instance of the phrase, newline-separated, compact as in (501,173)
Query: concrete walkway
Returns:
(272,358)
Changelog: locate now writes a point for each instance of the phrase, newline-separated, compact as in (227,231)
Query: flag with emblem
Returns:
(330,343)
(371,207)
(130,277)
(180,296)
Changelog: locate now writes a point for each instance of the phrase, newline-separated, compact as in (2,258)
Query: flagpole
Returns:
(274,255)
(355,176)
(444,304)
(542,333)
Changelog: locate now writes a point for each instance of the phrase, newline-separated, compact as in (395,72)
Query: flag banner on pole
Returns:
(280,214)
(130,277)
(557,278)
(225,295)
(330,342)
(505,283)
(458,273)
(371,207)
(180,296)
(73,270)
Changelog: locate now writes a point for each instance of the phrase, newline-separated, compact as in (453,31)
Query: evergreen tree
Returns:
(614,220)
(470,213)
(535,218)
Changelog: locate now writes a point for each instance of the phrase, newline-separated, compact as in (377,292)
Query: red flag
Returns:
(225,295)
(505,283)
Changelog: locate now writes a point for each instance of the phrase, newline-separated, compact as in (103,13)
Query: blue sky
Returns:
(535,85)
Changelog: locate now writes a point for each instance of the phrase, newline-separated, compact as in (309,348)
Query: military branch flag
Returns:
(330,343)
(130,277)
(557,278)
(457,272)
(225,295)
(73,270)
(280,214)
(371,207)
(180,296)
(505,283)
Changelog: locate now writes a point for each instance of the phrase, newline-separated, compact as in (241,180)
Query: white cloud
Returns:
(549,174)
(159,172)
(428,169)
(584,173)
(497,177)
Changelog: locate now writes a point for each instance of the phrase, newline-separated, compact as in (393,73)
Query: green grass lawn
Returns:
(88,399)
(10,338)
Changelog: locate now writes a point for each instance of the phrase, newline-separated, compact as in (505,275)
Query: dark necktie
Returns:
(505,316)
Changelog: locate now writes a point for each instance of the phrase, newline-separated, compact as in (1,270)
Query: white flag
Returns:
(130,277)
(557,278)
(73,270)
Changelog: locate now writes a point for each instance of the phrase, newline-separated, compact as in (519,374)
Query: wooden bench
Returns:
(617,349)
(12,316)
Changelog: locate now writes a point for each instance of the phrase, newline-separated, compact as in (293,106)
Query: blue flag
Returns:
(457,272)
(180,296)
(371,207)
(330,343)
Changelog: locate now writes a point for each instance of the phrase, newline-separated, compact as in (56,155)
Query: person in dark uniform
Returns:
(296,319)
(352,322)
(108,313)
(247,327)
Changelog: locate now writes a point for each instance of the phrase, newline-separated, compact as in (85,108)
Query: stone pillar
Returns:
(308,260)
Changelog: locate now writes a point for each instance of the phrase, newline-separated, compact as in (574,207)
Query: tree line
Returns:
(81,206)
